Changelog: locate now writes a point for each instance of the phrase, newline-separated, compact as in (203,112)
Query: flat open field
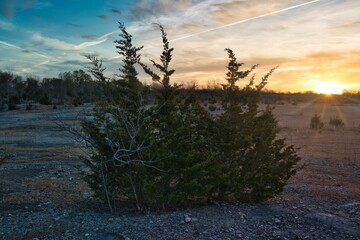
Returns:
(43,196)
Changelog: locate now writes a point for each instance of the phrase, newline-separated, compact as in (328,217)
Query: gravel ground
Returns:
(42,196)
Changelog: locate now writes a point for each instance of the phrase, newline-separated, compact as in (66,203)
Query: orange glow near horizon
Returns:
(329,88)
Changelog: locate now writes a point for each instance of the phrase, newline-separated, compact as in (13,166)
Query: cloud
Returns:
(23,50)
(354,24)
(77,63)
(115,11)
(73,24)
(103,17)
(10,45)
(52,42)
(144,9)
(97,41)
(88,36)
(6,25)
(62,45)
(31,68)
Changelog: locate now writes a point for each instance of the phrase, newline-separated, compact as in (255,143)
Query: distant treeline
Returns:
(272,97)
(75,88)
(78,87)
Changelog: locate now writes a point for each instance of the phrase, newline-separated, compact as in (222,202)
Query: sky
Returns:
(315,44)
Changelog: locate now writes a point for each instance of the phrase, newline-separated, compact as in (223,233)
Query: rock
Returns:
(187,219)
(242,215)
(276,220)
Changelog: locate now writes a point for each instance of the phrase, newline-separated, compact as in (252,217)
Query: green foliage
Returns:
(179,140)
(251,164)
(29,106)
(212,108)
(45,99)
(316,123)
(336,122)
(13,101)
(160,148)
(117,133)
(77,101)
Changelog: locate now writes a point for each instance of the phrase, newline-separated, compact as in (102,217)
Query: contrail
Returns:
(245,20)
(234,23)
(22,49)
(97,41)
(35,66)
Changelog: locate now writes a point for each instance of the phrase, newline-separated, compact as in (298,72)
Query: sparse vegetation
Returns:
(45,99)
(336,122)
(316,123)
(29,106)
(212,108)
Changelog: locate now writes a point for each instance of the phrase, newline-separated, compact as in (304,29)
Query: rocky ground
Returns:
(42,196)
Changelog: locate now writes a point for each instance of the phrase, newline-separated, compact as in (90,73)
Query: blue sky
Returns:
(314,43)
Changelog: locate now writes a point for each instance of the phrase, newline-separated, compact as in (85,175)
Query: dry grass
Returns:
(331,157)
(61,192)
(342,145)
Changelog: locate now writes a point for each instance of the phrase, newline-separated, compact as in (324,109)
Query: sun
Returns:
(329,88)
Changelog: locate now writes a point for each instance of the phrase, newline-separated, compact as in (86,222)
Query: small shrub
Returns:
(336,122)
(12,106)
(13,101)
(29,106)
(212,100)
(45,99)
(316,122)
(174,153)
(77,101)
(212,108)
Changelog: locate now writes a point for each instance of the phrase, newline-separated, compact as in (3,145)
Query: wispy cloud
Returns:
(89,36)
(103,17)
(10,45)
(31,68)
(63,45)
(246,20)
(23,50)
(115,11)
(6,25)
(97,41)
(145,9)
(52,42)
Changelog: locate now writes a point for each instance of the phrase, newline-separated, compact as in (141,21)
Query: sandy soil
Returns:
(42,195)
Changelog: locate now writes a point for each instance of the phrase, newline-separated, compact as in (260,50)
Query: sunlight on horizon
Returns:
(329,88)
